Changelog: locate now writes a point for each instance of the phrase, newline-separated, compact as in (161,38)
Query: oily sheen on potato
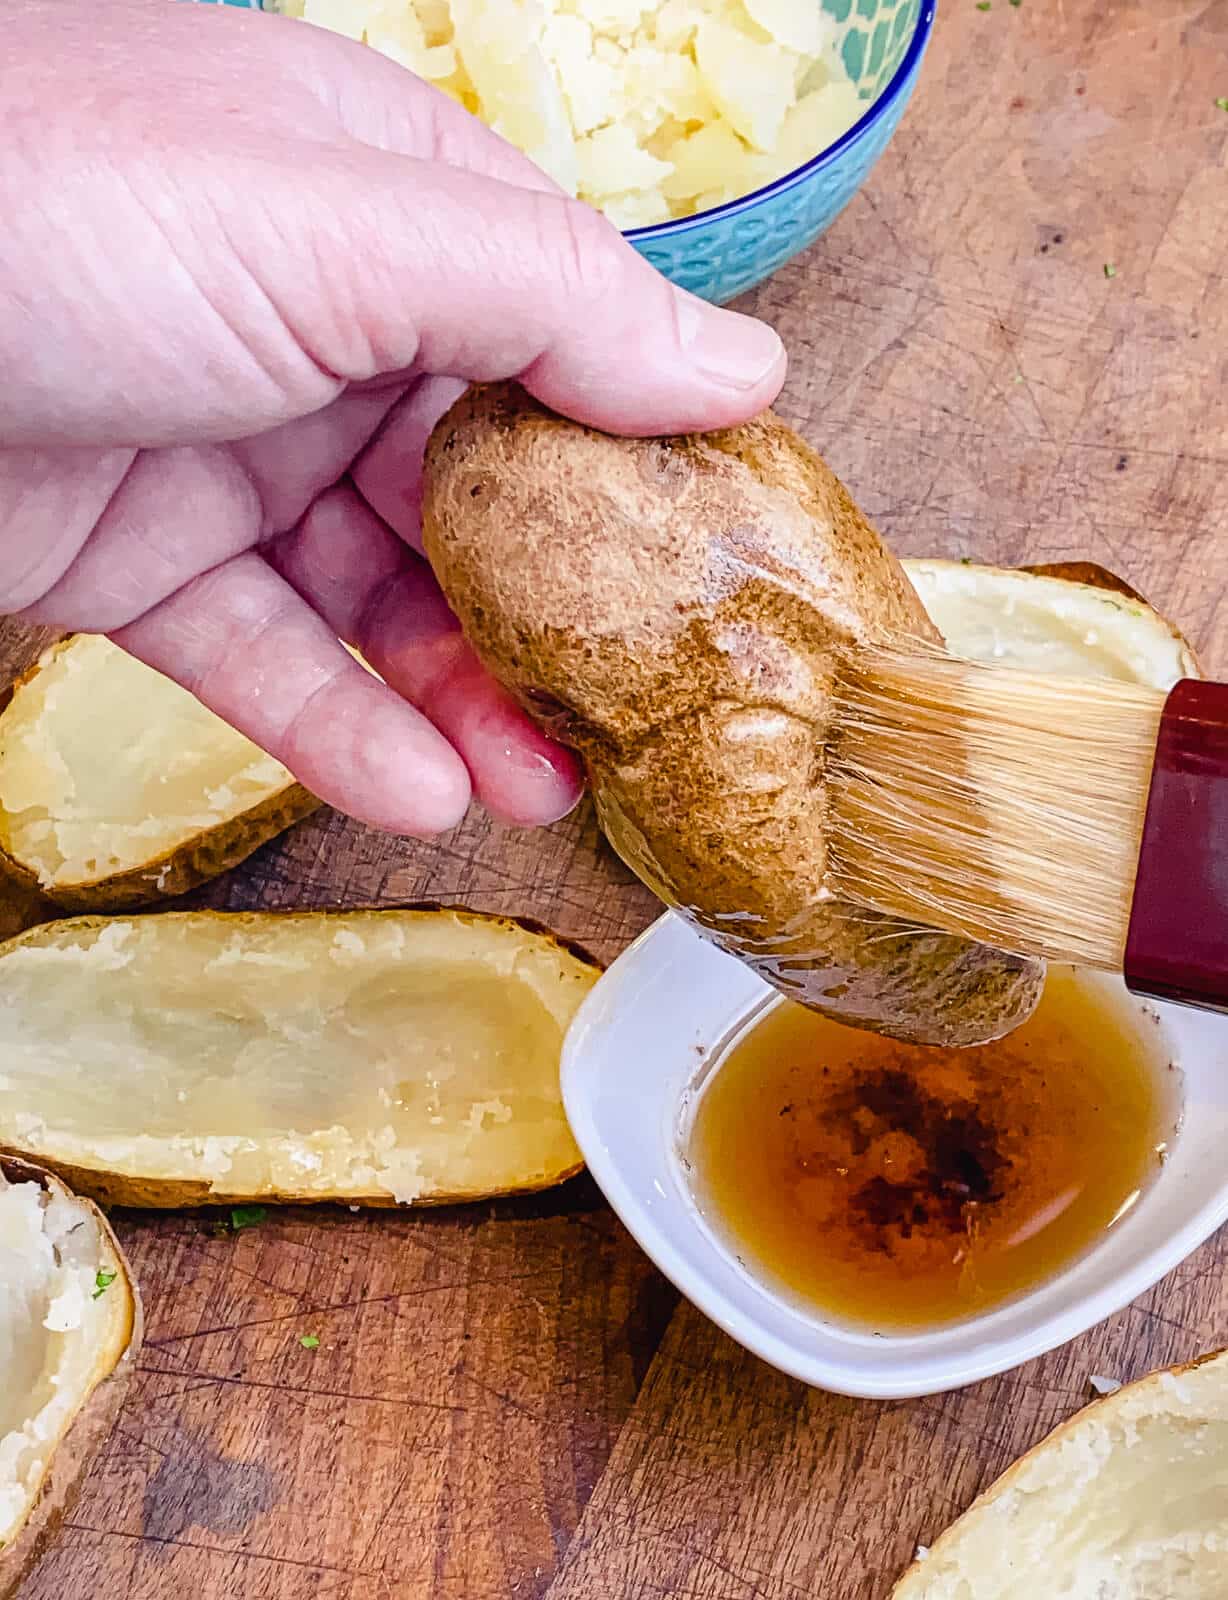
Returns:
(376,1057)
(69,1332)
(1127,1501)
(117,787)
(676,609)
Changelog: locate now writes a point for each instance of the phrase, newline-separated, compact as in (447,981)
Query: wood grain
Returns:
(485,1416)
(471,1372)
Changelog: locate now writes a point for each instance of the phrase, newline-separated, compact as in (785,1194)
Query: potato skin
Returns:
(674,609)
(196,860)
(914,1582)
(1090,573)
(90,1427)
(109,1188)
(178,1194)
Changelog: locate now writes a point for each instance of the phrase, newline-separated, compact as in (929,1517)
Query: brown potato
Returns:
(673,608)
(60,1262)
(363,1057)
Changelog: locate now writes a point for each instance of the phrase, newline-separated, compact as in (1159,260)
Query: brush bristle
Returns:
(1004,805)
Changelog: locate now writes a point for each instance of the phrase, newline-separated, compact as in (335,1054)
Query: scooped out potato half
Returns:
(677,610)
(70,1328)
(1069,620)
(368,1057)
(118,788)
(1126,1501)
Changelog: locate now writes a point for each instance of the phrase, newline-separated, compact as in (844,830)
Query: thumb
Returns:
(442,270)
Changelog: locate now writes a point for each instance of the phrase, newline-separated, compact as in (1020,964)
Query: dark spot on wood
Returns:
(196,1487)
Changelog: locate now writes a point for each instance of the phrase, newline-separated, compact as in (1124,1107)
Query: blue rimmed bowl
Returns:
(723,252)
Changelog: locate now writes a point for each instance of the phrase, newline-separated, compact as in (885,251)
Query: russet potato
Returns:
(675,610)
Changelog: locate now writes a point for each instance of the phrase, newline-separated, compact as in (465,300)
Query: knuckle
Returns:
(51,502)
(588,251)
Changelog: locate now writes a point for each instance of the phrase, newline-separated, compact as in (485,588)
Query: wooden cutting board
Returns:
(507,1401)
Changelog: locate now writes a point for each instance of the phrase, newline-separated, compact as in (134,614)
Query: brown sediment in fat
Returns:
(675,608)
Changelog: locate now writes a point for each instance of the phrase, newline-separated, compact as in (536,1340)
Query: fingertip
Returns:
(741,359)
(519,773)
(532,785)
(417,792)
(439,799)
(363,750)
(666,362)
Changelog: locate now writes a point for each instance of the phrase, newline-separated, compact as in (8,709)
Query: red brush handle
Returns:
(1177,948)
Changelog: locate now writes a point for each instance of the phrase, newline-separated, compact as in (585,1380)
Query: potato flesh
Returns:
(1127,1502)
(57,1338)
(105,765)
(1048,625)
(370,1055)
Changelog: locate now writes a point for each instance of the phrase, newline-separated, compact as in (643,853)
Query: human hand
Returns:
(246,266)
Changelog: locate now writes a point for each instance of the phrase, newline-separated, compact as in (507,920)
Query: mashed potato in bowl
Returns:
(648,109)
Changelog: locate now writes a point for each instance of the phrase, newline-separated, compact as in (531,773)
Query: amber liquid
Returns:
(897,1187)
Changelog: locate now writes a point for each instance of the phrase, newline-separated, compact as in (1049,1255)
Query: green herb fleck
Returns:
(1110,271)
(1222,103)
(982,5)
(309,1342)
(1016,4)
(103,1281)
(247,1217)
(965,561)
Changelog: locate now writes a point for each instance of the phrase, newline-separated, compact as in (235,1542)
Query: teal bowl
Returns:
(722,253)
(726,251)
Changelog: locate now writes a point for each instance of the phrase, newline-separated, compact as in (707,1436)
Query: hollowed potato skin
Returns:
(171,873)
(111,1187)
(90,1428)
(674,608)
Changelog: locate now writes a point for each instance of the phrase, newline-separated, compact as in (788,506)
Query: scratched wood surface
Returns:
(507,1401)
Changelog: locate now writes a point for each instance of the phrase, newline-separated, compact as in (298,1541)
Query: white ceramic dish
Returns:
(633,1055)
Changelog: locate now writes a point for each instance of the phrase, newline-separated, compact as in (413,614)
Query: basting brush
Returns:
(1078,820)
